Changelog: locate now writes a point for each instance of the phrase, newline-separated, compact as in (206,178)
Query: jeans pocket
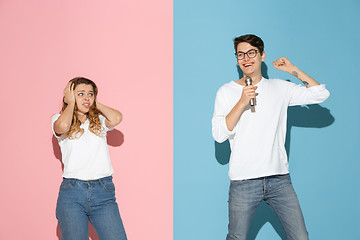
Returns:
(283,177)
(108,186)
(64,186)
(237,182)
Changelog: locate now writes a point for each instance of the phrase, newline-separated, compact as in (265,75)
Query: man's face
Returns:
(250,66)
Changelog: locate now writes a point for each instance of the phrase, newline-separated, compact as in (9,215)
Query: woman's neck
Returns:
(82,117)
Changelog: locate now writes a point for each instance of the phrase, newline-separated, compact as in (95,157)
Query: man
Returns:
(258,167)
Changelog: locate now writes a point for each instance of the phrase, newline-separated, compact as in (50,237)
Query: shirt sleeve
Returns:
(220,131)
(301,95)
(102,120)
(53,119)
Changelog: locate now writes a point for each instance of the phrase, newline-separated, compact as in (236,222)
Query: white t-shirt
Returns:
(87,157)
(257,141)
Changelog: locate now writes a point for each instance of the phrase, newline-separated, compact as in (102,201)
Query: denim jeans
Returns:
(278,192)
(82,201)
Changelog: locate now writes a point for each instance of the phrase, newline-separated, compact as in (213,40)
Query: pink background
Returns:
(126,48)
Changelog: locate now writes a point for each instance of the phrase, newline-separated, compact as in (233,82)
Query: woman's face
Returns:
(84,97)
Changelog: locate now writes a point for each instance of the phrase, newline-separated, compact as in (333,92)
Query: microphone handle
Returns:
(252,102)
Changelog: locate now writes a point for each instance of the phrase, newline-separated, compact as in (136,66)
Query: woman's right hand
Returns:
(69,96)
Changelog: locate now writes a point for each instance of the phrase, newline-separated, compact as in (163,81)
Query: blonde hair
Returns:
(93,115)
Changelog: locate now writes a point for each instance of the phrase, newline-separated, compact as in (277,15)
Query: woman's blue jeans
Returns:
(278,192)
(82,201)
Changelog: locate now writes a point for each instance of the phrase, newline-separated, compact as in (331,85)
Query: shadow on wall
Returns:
(114,138)
(309,116)
(57,151)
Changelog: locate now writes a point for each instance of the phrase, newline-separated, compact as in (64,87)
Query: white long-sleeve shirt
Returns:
(257,141)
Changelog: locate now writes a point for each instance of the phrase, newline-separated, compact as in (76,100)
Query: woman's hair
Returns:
(93,115)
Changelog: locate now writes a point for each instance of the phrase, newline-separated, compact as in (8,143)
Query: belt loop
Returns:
(72,182)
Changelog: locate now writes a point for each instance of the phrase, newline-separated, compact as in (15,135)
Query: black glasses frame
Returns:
(247,53)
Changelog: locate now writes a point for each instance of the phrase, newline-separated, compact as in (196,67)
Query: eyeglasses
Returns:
(251,54)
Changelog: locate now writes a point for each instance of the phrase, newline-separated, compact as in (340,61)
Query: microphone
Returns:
(248,81)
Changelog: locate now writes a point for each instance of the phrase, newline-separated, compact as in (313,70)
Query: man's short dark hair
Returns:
(253,40)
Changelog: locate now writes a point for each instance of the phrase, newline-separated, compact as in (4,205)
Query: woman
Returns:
(87,192)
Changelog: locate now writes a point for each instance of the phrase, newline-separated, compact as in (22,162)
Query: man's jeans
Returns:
(82,201)
(278,192)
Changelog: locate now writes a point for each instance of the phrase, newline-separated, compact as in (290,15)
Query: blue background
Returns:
(322,38)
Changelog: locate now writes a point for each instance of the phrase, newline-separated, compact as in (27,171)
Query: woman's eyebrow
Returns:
(91,91)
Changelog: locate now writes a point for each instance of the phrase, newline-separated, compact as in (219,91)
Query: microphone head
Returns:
(248,81)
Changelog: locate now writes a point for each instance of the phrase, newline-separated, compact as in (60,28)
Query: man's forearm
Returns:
(234,115)
(303,77)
